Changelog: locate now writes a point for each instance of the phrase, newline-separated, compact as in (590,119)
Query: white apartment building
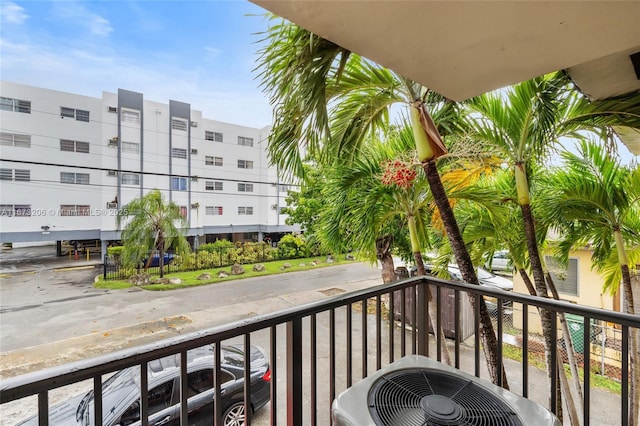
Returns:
(69,162)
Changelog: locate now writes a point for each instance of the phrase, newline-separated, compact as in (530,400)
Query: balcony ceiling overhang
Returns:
(462,49)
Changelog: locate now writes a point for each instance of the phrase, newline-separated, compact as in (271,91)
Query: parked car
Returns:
(121,392)
(500,262)
(486,279)
(155,260)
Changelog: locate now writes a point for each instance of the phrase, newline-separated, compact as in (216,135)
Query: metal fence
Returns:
(320,349)
(113,268)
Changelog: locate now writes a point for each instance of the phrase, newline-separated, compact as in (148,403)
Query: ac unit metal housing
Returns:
(112,109)
(112,173)
(352,407)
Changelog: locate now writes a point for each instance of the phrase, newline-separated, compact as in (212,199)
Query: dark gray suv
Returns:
(121,392)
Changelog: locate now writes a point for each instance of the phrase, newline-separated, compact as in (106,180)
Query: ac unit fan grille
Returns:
(427,397)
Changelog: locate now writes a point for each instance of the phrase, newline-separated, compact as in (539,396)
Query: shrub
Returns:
(291,246)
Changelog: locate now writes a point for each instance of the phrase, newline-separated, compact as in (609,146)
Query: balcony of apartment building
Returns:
(343,349)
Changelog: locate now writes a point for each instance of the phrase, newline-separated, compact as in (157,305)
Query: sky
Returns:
(197,52)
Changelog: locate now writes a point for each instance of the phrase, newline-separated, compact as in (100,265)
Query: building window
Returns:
(14,139)
(6,174)
(213,185)
(213,210)
(212,136)
(130,179)
(178,153)
(565,279)
(131,147)
(78,114)
(213,161)
(179,184)
(17,105)
(74,146)
(132,117)
(245,187)
(247,211)
(244,141)
(177,124)
(20,175)
(245,164)
(76,178)
(74,210)
(17,210)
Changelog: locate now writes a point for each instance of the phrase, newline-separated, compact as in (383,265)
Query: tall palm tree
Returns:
(595,201)
(328,101)
(154,225)
(379,188)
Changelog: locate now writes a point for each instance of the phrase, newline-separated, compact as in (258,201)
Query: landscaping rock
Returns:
(237,269)
(140,279)
(313,263)
(161,281)
(258,267)
(330,259)
(222,274)
(286,265)
(302,265)
(205,276)
(175,281)
(349,256)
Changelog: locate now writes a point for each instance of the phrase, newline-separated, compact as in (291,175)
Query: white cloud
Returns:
(78,14)
(212,52)
(12,13)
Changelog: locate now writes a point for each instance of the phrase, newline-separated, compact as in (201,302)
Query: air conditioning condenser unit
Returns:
(416,390)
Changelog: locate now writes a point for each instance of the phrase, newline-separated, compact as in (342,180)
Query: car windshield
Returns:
(484,275)
(114,390)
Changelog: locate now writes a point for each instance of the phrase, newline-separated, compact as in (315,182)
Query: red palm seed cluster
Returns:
(398,172)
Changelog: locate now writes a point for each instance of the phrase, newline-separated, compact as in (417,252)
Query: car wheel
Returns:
(234,416)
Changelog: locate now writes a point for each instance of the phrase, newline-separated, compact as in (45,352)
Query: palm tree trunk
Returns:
(487,333)
(522,188)
(383,253)
(634,334)
(433,310)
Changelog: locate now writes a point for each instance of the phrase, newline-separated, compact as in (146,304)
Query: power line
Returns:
(106,169)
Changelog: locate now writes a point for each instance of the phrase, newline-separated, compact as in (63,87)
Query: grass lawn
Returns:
(190,278)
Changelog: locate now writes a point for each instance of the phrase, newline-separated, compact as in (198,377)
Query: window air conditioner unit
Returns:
(194,124)
(194,151)
(113,141)
(112,173)
(112,109)
(194,178)
(112,205)
(274,207)
(416,390)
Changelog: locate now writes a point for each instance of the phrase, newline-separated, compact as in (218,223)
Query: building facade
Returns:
(69,162)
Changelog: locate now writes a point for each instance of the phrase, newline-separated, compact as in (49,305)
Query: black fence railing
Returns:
(248,253)
(320,349)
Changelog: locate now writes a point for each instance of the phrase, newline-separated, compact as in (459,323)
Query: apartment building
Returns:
(69,162)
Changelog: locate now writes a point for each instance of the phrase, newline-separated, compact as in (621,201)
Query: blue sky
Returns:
(199,52)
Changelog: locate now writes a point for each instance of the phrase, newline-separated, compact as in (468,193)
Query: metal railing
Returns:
(318,349)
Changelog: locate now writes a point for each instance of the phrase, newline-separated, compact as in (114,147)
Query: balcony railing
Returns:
(320,349)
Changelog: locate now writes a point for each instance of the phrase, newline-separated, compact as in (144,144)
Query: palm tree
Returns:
(596,202)
(328,102)
(154,226)
(379,188)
